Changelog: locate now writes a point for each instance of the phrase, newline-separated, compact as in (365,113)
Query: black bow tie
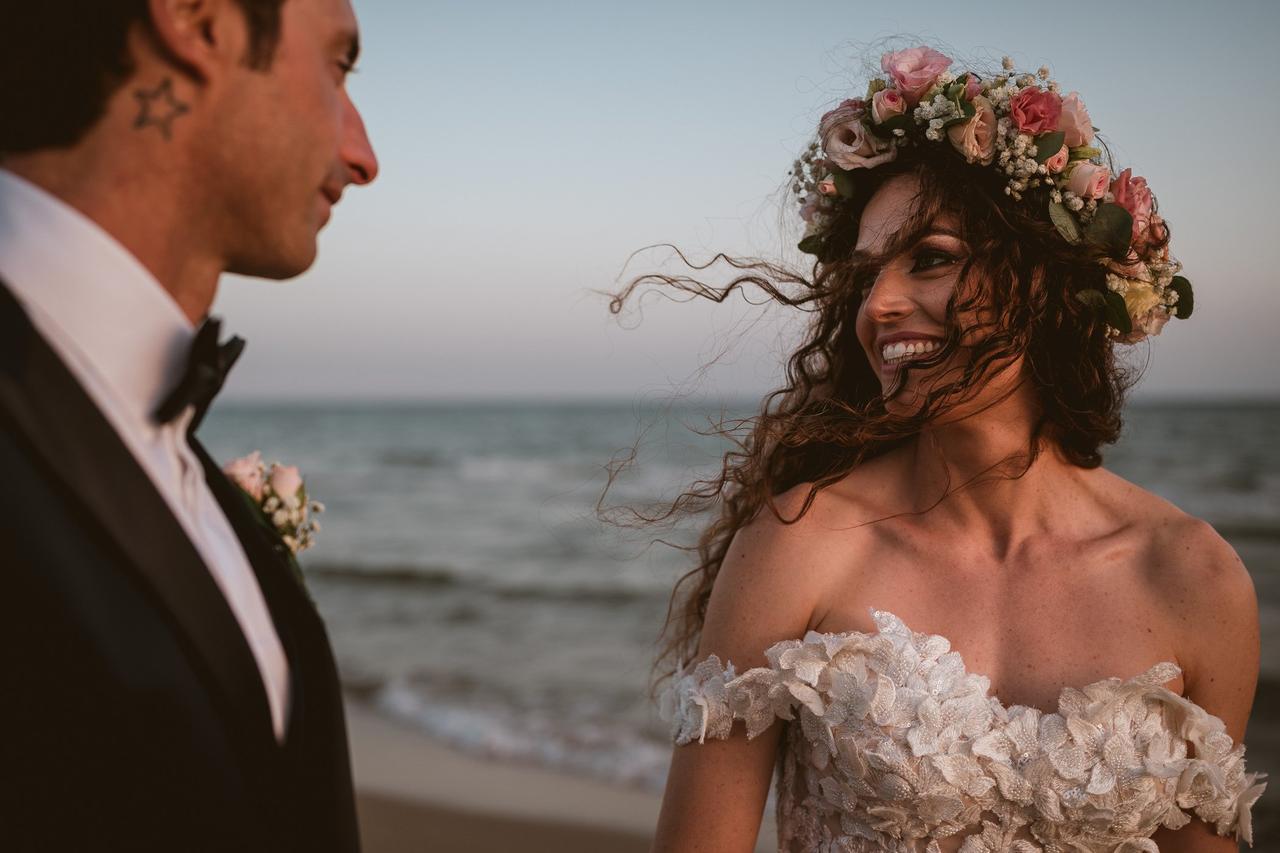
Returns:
(207,368)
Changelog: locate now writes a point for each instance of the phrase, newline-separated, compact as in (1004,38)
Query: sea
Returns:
(473,590)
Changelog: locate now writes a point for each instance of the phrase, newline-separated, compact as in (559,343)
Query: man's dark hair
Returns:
(61,60)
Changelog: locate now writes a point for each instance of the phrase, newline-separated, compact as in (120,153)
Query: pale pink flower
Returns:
(976,138)
(246,472)
(1074,121)
(915,70)
(1134,196)
(886,104)
(972,87)
(1036,111)
(286,480)
(847,142)
(827,187)
(1058,161)
(1088,180)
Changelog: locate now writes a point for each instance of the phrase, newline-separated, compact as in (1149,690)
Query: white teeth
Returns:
(903,350)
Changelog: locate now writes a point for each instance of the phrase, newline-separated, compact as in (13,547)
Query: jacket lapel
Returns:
(42,402)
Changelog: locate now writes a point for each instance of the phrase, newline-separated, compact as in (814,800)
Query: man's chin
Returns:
(277,265)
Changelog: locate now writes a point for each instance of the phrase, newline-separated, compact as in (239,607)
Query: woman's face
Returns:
(903,316)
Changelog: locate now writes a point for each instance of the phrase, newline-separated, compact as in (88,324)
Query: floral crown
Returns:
(1020,125)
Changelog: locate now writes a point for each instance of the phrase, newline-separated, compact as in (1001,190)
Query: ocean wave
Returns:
(581,742)
(442,577)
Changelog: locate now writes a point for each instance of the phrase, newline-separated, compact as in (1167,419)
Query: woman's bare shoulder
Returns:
(780,568)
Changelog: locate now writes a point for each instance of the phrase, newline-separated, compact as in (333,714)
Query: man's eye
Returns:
(929,259)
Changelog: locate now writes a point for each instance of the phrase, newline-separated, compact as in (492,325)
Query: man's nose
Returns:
(357,150)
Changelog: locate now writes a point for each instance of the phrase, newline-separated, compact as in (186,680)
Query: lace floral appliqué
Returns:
(894,744)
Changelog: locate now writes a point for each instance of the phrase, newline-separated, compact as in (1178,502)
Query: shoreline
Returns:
(418,794)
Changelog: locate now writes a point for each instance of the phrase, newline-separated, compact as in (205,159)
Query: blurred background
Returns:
(449,378)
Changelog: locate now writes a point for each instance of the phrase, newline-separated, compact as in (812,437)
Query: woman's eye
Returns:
(930,259)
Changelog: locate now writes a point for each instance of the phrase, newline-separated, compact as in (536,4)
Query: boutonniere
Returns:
(278,498)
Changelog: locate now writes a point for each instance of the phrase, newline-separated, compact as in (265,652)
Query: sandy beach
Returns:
(417,795)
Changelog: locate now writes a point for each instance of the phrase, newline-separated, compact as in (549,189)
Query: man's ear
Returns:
(204,37)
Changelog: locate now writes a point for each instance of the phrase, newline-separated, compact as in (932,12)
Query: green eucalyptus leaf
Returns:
(812,245)
(885,129)
(1083,152)
(1118,313)
(1111,229)
(876,85)
(845,184)
(1065,221)
(1049,144)
(954,120)
(1095,299)
(1186,300)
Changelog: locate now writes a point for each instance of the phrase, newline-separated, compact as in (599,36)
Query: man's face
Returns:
(287,141)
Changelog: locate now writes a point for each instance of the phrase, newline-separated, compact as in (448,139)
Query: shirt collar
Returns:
(103,300)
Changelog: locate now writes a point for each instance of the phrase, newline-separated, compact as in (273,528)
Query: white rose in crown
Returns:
(279,496)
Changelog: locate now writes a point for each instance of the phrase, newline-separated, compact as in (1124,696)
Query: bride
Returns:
(925,604)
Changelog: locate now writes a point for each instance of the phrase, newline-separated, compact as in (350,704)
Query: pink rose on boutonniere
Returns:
(247,473)
(847,142)
(1058,162)
(976,138)
(279,497)
(915,70)
(1088,180)
(1074,121)
(886,104)
(1036,111)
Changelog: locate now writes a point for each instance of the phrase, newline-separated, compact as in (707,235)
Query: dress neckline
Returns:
(1155,676)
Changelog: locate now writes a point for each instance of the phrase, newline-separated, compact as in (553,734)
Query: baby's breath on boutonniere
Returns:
(278,498)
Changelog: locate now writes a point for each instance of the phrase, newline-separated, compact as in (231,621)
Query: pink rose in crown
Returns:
(1058,162)
(246,472)
(886,104)
(827,186)
(972,87)
(847,142)
(1036,111)
(915,70)
(286,480)
(1074,121)
(976,138)
(1134,196)
(1088,180)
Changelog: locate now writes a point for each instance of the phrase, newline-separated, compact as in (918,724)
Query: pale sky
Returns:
(527,148)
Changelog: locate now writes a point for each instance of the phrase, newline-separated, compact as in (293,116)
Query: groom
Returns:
(166,683)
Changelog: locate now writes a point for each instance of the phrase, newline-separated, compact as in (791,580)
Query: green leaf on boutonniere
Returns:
(1111,229)
(1065,222)
(1048,144)
(1186,301)
(1112,306)
(885,129)
(845,184)
(812,245)
(1083,152)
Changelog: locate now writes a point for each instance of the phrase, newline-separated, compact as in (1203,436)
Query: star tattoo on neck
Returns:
(159,108)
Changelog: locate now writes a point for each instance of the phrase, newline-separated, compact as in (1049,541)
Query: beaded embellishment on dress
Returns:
(894,745)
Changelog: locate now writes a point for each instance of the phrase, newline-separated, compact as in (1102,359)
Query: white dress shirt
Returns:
(126,342)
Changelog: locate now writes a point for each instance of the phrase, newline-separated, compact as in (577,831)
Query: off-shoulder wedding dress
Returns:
(895,746)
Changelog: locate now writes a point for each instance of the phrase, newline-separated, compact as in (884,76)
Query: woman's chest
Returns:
(1032,624)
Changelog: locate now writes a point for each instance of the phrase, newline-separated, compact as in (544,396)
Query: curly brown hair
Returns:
(1021,278)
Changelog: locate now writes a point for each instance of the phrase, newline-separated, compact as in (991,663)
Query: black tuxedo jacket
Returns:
(132,713)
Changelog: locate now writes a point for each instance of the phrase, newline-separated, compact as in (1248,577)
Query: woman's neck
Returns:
(992,473)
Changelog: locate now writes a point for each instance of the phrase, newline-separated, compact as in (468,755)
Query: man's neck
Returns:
(140,206)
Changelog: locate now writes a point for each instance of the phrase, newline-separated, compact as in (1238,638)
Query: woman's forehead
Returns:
(893,208)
